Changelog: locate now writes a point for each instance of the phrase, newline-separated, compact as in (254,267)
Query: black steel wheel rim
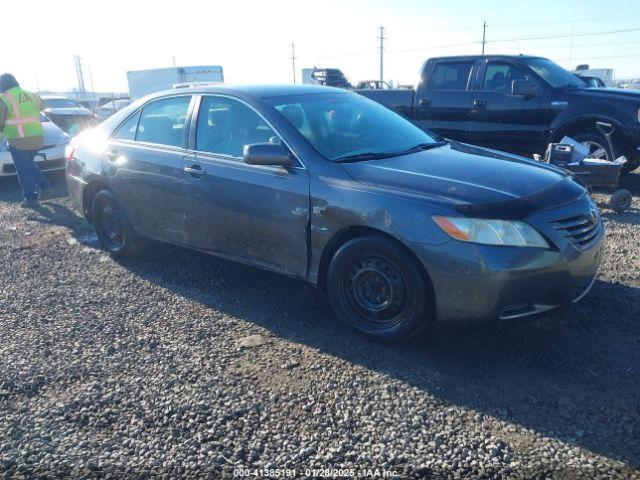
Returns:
(377,290)
(112,225)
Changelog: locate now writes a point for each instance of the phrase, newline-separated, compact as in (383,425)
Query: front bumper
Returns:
(481,283)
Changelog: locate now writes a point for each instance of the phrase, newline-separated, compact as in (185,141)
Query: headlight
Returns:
(638,114)
(491,232)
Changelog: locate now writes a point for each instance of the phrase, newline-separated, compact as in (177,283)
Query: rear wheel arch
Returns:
(89,193)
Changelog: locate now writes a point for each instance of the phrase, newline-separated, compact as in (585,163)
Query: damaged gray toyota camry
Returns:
(402,229)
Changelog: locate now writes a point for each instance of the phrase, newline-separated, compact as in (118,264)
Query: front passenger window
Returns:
(226,125)
(162,121)
(499,77)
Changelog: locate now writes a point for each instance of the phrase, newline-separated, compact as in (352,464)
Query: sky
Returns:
(252,39)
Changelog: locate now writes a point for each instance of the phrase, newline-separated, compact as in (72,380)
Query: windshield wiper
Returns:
(363,156)
(378,155)
(423,146)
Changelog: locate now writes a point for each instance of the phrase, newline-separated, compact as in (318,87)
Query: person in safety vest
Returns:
(20,126)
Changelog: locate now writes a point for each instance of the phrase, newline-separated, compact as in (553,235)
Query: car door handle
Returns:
(195,170)
(479,103)
(424,102)
(113,155)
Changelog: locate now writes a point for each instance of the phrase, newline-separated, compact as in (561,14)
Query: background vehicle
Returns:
(517,104)
(144,82)
(373,85)
(106,110)
(49,158)
(326,186)
(329,77)
(592,82)
(607,75)
(68,114)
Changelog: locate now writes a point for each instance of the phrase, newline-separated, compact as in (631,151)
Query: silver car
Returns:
(50,158)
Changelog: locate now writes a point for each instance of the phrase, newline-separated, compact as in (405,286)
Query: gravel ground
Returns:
(142,368)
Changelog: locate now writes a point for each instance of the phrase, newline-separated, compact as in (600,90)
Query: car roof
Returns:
(475,57)
(259,91)
(57,97)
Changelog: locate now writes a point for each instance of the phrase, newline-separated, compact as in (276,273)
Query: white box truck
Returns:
(144,82)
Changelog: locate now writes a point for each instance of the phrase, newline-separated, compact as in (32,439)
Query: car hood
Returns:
(464,175)
(68,111)
(607,93)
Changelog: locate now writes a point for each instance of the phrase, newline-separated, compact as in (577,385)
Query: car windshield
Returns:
(347,126)
(553,74)
(60,103)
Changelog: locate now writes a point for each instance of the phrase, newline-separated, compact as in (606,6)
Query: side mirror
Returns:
(524,88)
(267,154)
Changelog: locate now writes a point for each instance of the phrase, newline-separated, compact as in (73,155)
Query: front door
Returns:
(502,120)
(144,161)
(256,214)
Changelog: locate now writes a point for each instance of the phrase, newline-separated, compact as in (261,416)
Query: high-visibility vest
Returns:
(23,114)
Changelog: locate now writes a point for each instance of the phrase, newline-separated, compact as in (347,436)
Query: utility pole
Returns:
(174,61)
(80,76)
(93,92)
(382,38)
(571,49)
(293,61)
(484,35)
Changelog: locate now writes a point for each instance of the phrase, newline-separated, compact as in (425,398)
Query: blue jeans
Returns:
(31,178)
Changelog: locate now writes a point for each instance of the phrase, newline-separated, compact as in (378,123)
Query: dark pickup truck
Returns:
(517,104)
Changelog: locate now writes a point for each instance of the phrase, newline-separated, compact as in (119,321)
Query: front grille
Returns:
(582,231)
(9,168)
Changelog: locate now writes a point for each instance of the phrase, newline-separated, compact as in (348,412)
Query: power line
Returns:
(608,32)
(464,44)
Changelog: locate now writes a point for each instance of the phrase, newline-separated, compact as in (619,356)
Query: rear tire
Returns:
(380,290)
(113,226)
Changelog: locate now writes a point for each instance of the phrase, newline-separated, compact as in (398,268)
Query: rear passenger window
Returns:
(450,76)
(127,130)
(162,121)
(226,125)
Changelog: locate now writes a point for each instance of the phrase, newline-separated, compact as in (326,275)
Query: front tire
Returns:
(599,148)
(113,226)
(379,289)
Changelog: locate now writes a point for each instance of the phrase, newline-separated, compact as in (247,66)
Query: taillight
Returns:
(68,152)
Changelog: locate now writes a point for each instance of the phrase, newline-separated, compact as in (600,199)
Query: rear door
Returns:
(252,213)
(504,121)
(144,161)
(443,100)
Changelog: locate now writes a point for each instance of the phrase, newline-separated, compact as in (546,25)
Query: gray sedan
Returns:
(399,227)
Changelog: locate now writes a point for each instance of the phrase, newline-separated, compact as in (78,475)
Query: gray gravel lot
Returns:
(140,368)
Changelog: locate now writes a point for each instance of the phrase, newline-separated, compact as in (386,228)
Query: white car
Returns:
(49,158)
(106,110)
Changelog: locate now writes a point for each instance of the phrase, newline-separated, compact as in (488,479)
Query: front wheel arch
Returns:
(349,233)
